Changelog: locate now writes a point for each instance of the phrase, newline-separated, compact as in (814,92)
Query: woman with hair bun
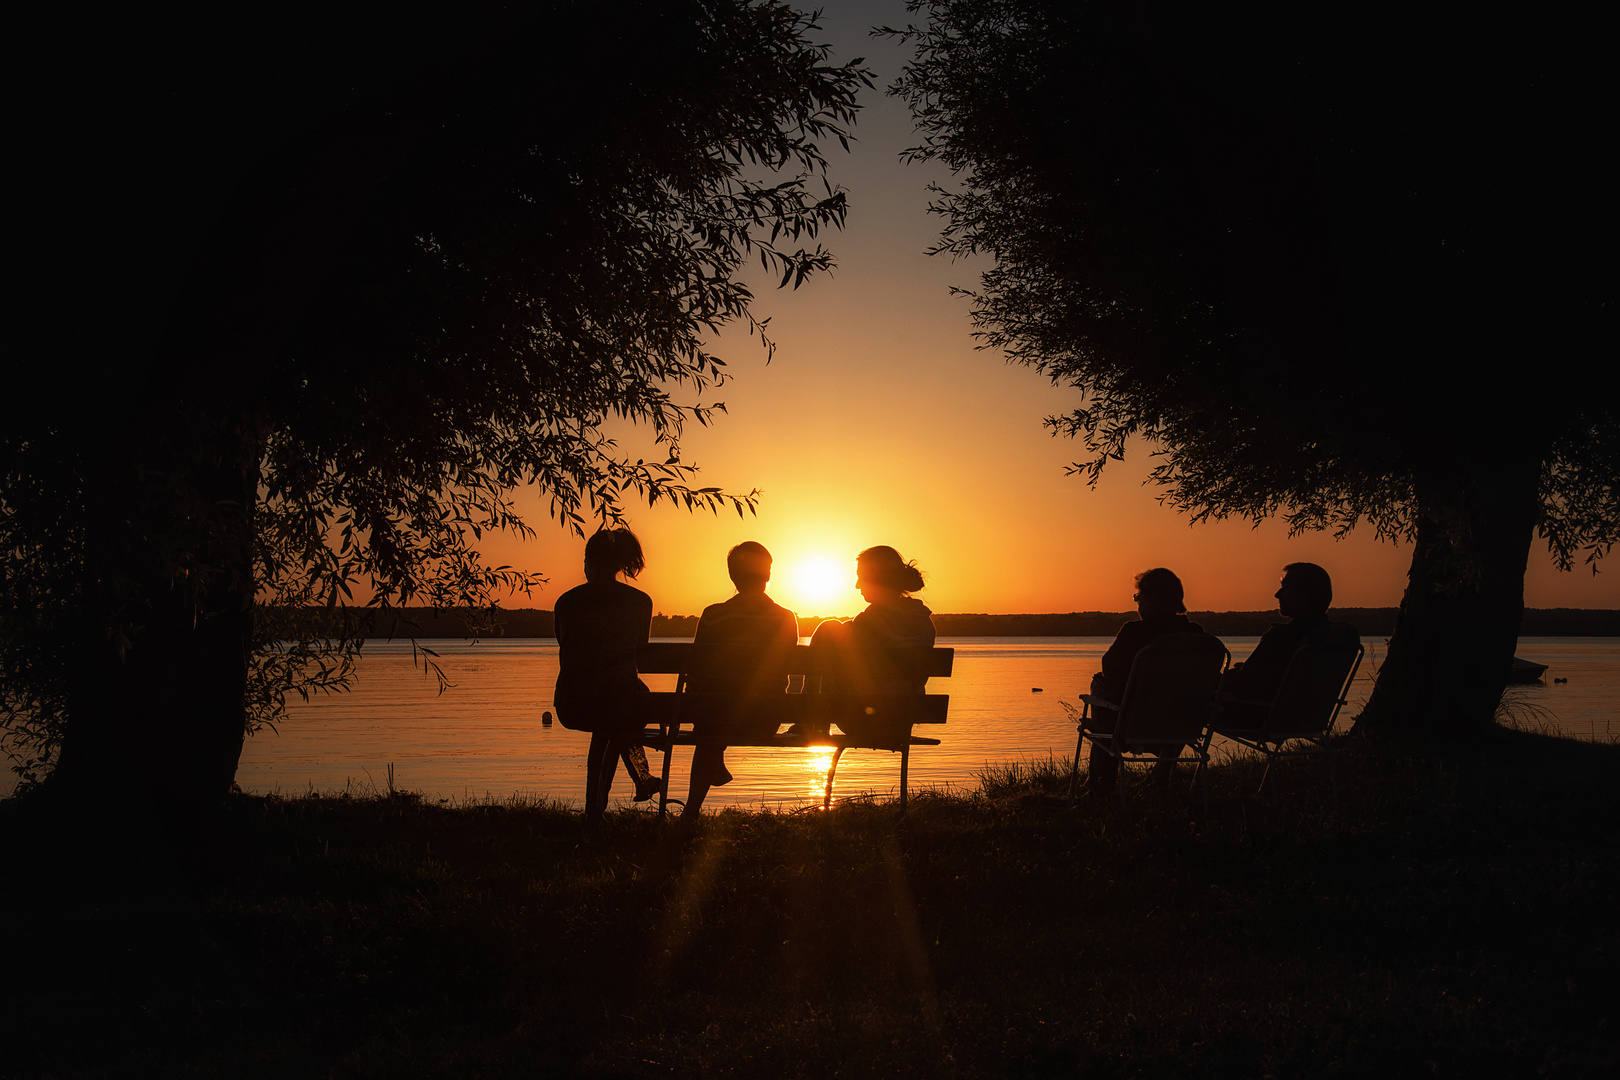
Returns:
(893,618)
(599,626)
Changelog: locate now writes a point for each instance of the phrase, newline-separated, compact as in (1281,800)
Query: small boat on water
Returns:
(1526,671)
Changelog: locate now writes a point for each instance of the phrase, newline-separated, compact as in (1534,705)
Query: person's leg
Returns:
(634,756)
(1102,774)
(1164,770)
(600,765)
(706,761)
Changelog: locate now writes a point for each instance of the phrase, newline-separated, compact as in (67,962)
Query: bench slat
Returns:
(686,658)
(660,707)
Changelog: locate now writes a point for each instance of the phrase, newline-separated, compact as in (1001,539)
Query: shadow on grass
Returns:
(1430,921)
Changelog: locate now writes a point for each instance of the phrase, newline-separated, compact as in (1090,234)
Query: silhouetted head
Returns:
(611,552)
(1158,593)
(749,565)
(882,569)
(1306,590)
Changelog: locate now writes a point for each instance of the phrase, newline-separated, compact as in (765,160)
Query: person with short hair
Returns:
(1303,599)
(1162,609)
(600,625)
(748,618)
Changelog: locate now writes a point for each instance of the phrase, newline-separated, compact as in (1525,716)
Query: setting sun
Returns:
(818,581)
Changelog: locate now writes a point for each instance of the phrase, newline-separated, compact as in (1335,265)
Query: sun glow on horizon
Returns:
(816,583)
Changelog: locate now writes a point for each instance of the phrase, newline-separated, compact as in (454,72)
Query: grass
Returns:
(1431,921)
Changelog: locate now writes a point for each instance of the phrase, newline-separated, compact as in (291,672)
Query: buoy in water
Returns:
(1036,690)
(545,719)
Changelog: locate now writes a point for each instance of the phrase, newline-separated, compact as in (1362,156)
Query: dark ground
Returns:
(1431,921)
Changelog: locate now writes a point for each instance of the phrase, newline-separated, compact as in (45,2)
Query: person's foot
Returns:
(651,789)
(722,777)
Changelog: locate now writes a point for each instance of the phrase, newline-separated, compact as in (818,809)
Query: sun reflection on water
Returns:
(814,764)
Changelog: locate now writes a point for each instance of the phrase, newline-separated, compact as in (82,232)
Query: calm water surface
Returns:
(483,737)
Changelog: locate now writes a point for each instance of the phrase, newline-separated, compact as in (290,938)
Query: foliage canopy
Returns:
(1289,246)
(364,279)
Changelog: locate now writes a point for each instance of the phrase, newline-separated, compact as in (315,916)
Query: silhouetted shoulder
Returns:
(599,627)
(906,621)
(748,617)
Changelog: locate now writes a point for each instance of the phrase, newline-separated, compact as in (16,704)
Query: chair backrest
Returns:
(1313,688)
(1171,689)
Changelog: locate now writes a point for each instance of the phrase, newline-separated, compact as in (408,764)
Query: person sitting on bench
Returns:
(599,627)
(893,617)
(749,618)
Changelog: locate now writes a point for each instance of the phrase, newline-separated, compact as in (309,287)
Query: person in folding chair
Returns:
(1162,610)
(1303,599)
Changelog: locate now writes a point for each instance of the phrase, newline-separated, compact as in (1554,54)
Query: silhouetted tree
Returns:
(314,288)
(1332,263)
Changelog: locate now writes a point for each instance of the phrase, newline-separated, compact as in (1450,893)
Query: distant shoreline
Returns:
(1371,622)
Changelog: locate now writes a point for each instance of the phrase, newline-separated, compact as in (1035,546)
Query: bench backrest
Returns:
(686,658)
(871,683)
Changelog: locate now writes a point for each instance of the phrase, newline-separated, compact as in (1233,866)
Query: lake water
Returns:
(484,737)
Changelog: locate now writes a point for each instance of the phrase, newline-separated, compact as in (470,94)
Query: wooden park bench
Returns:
(838,685)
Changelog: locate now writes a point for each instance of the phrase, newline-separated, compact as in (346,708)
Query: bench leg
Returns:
(832,770)
(663,796)
(905,760)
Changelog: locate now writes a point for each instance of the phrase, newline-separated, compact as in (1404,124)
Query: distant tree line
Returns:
(412,622)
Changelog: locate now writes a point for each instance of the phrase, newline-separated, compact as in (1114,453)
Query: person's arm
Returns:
(644,614)
(1259,676)
(1116,663)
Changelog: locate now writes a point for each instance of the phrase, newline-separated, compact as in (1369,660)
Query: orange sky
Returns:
(879,423)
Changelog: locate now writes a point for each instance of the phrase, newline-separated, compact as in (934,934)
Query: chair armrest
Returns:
(1098,702)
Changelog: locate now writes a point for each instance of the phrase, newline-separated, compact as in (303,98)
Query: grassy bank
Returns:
(1428,922)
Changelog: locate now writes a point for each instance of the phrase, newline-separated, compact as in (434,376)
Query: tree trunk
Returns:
(157,706)
(1448,660)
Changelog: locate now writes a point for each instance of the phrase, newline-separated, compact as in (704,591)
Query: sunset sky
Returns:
(879,423)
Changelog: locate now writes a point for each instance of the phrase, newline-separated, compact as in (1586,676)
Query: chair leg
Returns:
(1074,769)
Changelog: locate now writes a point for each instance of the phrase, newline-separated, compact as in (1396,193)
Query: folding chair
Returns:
(1168,702)
(1314,688)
